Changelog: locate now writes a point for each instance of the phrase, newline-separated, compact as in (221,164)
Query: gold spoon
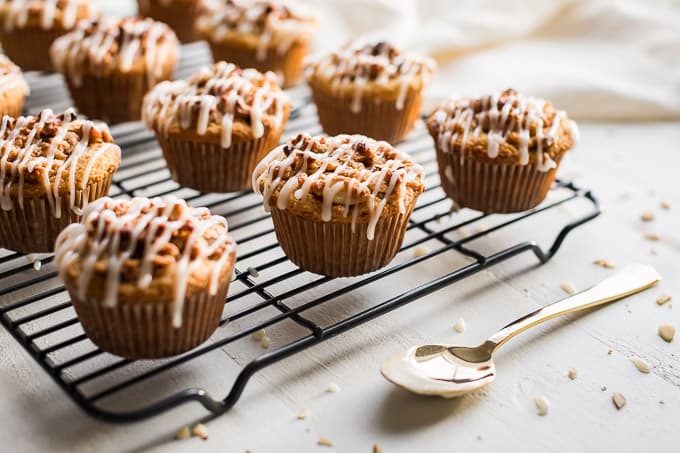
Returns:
(448,371)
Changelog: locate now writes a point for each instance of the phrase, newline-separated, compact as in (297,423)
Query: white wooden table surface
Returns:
(632,168)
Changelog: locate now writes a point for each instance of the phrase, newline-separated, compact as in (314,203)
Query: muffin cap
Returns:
(11,77)
(105,46)
(45,14)
(256,24)
(506,126)
(221,103)
(53,155)
(372,70)
(145,251)
(346,178)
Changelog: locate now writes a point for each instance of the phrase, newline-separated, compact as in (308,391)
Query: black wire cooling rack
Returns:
(297,309)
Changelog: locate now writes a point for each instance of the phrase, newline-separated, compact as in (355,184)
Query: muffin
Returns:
(28,28)
(340,205)
(369,88)
(148,278)
(13,88)
(215,126)
(499,153)
(110,64)
(180,15)
(51,167)
(260,34)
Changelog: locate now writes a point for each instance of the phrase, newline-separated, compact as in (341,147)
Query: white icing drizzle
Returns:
(518,114)
(360,63)
(11,77)
(17,12)
(310,159)
(24,159)
(272,21)
(114,230)
(215,95)
(115,44)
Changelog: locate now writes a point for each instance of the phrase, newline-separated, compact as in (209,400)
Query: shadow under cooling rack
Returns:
(269,292)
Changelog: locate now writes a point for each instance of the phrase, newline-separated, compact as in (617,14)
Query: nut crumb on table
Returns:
(662,299)
(604,263)
(324,442)
(568,288)
(667,332)
(642,365)
(647,216)
(542,405)
(619,400)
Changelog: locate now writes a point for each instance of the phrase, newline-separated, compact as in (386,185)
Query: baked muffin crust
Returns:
(11,77)
(143,251)
(346,178)
(506,126)
(219,103)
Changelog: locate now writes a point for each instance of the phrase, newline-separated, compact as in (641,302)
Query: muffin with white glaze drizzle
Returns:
(369,88)
(262,34)
(215,126)
(29,27)
(147,277)
(13,88)
(110,64)
(51,167)
(499,153)
(340,205)
(180,15)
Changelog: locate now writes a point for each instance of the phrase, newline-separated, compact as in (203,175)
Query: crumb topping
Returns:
(218,96)
(45,13)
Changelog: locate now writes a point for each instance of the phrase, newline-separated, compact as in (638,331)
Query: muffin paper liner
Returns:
(12,102)
(333,249)
(493,187)
(34,229)
(29,48)
(145,330)
(208,167)
(379,120)
(287,65)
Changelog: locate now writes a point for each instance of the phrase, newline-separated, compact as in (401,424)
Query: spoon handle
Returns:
(629,280)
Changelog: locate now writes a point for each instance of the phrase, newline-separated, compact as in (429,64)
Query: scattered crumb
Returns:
(619,400)
(641,364)
(667,332)
(610,351)
(542,405)
(653,237)
(200,430)
(604,388)
(604,263)
(480,229)
(568,288)
(324,442)
(459,326)
(421,250)
(258,335)
(662,402)
(183,433)
(573,372)
(332,388)
(454,207)
(377,448)
(304,414)
(647,216)
(33,259)
(437,218)
(265,342)
(665,205)
(253,272)
(662,299)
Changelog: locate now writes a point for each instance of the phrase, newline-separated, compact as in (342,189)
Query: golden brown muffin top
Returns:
(215,100)
(274,23)
(505,125)
(349,178)
(130,249)
(115,45)
(11,76)
(361,69)
(45,14)
(53,155)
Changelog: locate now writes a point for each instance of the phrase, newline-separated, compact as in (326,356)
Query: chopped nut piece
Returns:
(665,205)
(258,335)
(653,237)
(572,373)
(610,351)
(542,405)
(619,400)
(667,332)
(304,414)
(641,364)
(377,448)
(332,388)
(265,342)
(568,288)
(200,430)
(324,442)
(604,263)
(647,216)
(662,299)
(253,272)
(183,433)
(421,250)
(459,326)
